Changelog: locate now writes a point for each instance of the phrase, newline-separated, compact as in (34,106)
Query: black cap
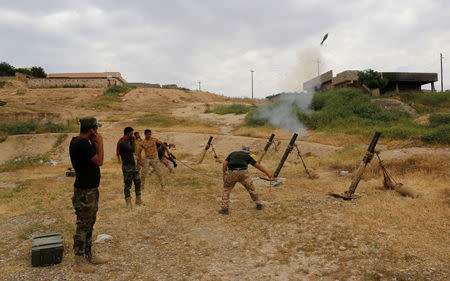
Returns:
(89,122)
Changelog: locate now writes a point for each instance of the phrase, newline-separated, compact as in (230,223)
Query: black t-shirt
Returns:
(87,173)
(126,151)
(240,160)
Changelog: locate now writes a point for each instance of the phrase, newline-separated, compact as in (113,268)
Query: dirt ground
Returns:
(301,234)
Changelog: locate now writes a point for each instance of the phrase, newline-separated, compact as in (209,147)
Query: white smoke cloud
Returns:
(304,70)
(282,114)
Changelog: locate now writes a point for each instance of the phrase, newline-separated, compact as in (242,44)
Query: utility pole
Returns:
(252,80)
(199,86)
(318,66)
(442,77)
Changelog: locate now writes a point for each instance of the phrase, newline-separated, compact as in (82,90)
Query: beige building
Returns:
(89,80)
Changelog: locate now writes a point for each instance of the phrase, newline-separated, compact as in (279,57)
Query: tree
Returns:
(372,79)
(38,72)
(6,69)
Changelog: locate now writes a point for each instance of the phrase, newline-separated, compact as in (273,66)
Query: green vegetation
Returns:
(19,163)
(350,111)
(236,108)
(2,84)
(8,70)
(112,95)
(372,79)
(34,127)
(424,102)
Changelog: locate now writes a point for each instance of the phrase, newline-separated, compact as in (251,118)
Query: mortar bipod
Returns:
(303,162)
(266,148)
(350,193)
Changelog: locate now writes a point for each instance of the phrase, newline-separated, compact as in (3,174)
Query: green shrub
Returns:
(6,69)
(253,119)
(372,79)
(38,72)
(236,108)
(426,99)
(2,84)
(438,119)
(440,134)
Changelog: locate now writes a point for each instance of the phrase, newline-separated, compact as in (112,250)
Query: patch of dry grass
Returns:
(261,132)
(301,234)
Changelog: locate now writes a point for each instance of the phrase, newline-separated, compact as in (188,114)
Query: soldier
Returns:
(86,155)
(151,157)
(235,170)
(127,147)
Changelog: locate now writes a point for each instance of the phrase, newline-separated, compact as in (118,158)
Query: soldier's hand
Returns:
(141,162)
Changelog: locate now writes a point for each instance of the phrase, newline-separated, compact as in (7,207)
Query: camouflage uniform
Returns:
(136,158)
(130,175)
(231,178)
(151,160)
(85,203)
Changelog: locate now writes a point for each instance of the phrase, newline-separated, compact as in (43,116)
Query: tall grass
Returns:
(22,162)
(112,95)
(35,127)
(235,108)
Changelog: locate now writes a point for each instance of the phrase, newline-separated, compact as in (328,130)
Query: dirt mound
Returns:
(395,105)
(423,120)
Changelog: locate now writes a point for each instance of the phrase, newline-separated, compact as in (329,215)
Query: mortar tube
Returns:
(285,155)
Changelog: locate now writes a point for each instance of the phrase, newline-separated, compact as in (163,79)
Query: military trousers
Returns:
(131,175)
(155,164)
(237,176)
(85,203)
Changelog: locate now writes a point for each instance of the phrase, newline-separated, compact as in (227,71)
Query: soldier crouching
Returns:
(235,169)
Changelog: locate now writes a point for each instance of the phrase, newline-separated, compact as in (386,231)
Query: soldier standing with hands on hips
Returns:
(86,155)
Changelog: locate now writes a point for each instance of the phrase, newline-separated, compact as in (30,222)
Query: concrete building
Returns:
(397,81)
(90,80)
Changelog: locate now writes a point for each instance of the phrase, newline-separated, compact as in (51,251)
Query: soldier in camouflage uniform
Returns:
(126,148)
(148,145)
(86,155)
(235,169)
(137,141)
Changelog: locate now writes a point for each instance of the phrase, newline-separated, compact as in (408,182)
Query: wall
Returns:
(89,83)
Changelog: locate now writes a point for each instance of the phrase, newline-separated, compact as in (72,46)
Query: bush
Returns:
(440,134)
(439,119)
(38,72)
(23,71)
(118,89)
(21,91)
(2,84)
(426,99)
(6,69)
(371,79)
(236,108)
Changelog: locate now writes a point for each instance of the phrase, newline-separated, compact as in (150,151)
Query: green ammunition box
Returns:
(47,249)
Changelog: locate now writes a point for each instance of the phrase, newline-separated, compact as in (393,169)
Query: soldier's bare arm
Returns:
(262,169)
(98,158)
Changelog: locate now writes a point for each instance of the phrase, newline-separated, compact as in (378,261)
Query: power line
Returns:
(442,77)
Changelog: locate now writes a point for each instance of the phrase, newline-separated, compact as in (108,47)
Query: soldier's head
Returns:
(246,149)
(148,134)
(128,131)
(89,126)
(137,135)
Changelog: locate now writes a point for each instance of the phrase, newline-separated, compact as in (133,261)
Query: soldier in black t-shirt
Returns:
(235,170)
(86,155)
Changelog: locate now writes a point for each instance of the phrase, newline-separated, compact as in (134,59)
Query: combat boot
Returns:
(139,201)
(96,259)
(128,202)
(224,212)
(82,265)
